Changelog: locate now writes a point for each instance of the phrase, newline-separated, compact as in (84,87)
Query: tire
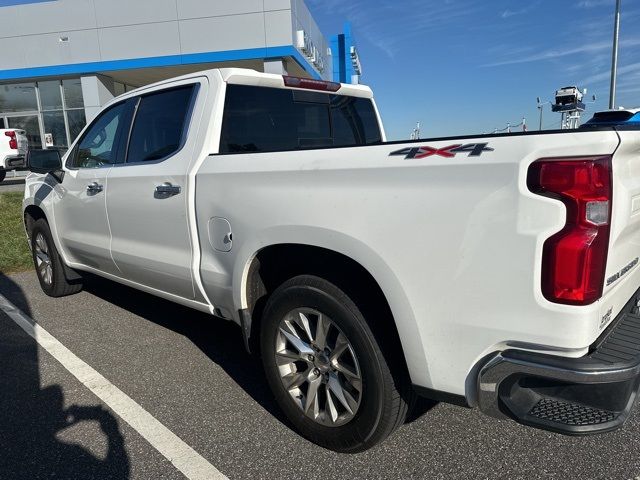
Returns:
(360,418)
(48,263)
(3,174)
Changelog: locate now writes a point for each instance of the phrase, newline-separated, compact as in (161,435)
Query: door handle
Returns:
(167,190)
(94,187)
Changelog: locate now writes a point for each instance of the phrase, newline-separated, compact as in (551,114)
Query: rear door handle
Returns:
(94,187)
(167,190)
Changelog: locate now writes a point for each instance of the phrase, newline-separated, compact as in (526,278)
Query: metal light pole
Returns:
(541,108)
(614,57)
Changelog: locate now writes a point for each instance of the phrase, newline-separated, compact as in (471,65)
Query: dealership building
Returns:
(62,60)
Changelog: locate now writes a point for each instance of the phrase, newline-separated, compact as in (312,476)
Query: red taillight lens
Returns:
(310,84)
(574,259)
(13,143)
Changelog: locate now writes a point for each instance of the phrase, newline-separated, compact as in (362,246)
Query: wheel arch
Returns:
(34,211)
(255,279)
(31,214)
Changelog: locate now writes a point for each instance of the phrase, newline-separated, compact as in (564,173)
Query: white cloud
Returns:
(628,75)
(391,26)
(552,54)
(594,3)
(512,13)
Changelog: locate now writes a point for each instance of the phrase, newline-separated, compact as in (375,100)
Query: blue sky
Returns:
(471,66)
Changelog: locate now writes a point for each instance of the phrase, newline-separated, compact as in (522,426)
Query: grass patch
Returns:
(14,251)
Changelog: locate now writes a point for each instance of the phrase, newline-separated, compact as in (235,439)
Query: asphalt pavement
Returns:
(191,373)
(14,182)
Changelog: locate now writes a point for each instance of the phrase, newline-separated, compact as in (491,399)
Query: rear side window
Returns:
(259,119)
(160,124)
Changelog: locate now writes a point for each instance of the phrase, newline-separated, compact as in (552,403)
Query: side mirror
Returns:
(44,161)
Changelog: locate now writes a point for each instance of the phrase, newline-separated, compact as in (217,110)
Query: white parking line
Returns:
(181,455)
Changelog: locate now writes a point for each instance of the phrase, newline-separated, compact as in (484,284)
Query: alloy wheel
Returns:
(318,367)
(43,259)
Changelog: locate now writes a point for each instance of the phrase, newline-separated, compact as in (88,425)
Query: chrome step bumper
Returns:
(574,396)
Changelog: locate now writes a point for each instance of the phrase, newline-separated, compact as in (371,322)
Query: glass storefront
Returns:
(72,93)
(76,121)
(54,128)
(51,111)
(18,97)
(30,124)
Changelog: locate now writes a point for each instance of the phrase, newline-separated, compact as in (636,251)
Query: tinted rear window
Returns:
(159,124)
(259,119)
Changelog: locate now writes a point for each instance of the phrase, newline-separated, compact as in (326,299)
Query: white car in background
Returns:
(13,148)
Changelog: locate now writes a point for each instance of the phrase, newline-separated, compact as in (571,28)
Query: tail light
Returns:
(574,259)
(13,142)
(310,84)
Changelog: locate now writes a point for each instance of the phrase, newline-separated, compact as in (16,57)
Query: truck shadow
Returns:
(31,417)
(221,341)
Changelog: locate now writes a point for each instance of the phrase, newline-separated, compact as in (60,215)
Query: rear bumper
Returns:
(574,396)
(11,162)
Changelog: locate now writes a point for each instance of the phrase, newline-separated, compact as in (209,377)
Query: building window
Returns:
(72,93)
(76,121)
(18,97)
(30,124)
(59,100)
(55,133)
(51,111)
(50,95)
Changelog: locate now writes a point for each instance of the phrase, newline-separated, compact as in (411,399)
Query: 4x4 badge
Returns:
(473,149)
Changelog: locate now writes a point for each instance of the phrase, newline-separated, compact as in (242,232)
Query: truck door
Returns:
(147,198)
(80,210)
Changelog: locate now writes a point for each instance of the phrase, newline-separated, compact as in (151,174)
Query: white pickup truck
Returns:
(498,271)
(13,148)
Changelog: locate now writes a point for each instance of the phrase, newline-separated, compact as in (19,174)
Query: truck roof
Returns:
(631,110)
(245,76)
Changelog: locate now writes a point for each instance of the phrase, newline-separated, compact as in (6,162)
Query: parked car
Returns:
(495,271)
(620,117)
(13,147)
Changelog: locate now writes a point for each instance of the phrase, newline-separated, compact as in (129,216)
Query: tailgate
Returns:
(622,276)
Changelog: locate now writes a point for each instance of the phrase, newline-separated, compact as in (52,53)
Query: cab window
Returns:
(160,124)
(98,146)
(262,119)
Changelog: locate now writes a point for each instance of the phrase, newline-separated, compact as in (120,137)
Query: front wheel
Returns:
(326,369)
(48,263)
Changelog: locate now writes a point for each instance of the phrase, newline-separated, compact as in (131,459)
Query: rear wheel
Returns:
(48,262)
(326,369)
(3,174)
